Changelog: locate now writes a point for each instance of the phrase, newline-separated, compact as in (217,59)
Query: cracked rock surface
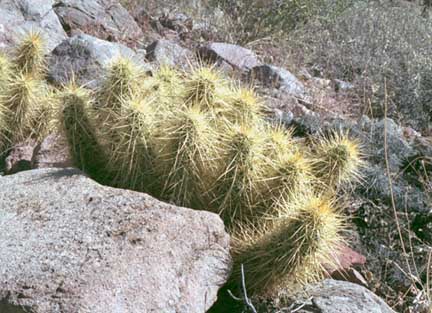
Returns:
(104,19)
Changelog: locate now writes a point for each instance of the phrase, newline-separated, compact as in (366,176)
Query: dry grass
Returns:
(370,42)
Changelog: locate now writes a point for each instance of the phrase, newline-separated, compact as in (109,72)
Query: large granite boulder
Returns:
(69,244)
(105,19)
(84,57)
(18,17)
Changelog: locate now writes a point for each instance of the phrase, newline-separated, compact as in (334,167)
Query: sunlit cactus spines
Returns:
(189,142)
(243,106)
(5,71)
(127,143)
(23,97)
(205,87)
(239,186)
(29,56)
(121,81)
(338,159)
(290,251)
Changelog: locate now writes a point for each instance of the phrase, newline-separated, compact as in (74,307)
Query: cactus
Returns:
(238,189)
(288,175)
(121,82)
(338,160)
(5,73)
(243,106)
(196,140)
(4,138)
(76,116)
(206,88)
(279,140)
(29,57)
(170,86)
(187,144)
(279,256)
(127,140)
(23,97)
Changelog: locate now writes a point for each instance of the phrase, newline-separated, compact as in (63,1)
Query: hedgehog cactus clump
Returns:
(197,140)
(289,251)
(25,98)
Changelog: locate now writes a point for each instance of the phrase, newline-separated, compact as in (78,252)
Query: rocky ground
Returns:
(390,211)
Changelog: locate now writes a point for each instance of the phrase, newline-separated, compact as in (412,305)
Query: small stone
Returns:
(236,56)
(333,296)
(20,156)
(53,151)
(85,57)
(341,85)
(167,52)
(276,77)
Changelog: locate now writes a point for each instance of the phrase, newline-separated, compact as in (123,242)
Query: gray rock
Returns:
(18,17)
(332,296)
(69,244)
(276,77)
(399,150)
(84,57)
(53,151)
(341,85)
(176,21)
(236,56)
(167,52)
(19,157)
(104,19)
(407,197)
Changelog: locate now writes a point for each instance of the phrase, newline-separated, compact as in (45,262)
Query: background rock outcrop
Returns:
(104,19)
(84,57)
(19,17)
